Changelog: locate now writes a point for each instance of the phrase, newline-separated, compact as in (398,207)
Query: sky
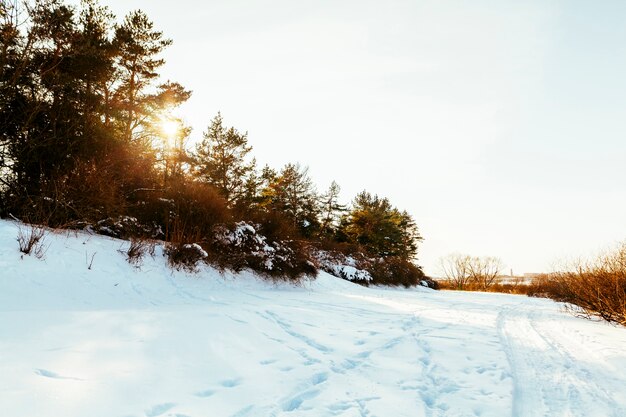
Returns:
(499,125)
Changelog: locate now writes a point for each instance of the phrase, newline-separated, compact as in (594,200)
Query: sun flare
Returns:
(169,127)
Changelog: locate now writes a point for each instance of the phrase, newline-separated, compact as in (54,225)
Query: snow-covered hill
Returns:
(120,340)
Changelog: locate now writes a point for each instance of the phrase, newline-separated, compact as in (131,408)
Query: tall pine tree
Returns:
(221,160)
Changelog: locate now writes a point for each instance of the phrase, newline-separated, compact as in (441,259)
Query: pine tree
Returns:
(330,210)
(292,193)
(221,160)
(381,228)
(138,46)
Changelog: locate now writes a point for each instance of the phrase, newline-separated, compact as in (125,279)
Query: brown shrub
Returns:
(137,249)
(83,195)
(394,270)
(185,213)
(274,225)
(594,288)
(515,288)
(197,209)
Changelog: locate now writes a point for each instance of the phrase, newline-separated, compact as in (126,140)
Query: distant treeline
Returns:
(88,139)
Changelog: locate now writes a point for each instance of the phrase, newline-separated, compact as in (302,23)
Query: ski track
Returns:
(548,380)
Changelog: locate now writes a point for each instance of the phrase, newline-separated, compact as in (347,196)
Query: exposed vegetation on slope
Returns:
(88,139)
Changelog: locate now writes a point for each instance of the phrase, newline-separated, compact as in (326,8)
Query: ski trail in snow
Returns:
(582,383)
(548,380)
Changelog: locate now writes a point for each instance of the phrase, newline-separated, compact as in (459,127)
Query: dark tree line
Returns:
(87,135)
(79,103)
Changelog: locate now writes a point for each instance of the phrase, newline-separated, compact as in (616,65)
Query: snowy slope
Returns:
(121,341)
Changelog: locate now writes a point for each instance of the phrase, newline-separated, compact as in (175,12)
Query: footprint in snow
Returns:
(296,401)
(205,393)
(230,383)
(54,375)
(319,378)
(243,412)
(159,409)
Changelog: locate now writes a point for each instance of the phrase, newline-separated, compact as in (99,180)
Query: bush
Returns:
(30,239)
(127,227)
(597,288)
(507,288)
(472,273)
(85,194)
(137,249)
(394,270)
(185,256)
(240,246)
(186,212)
(348,267)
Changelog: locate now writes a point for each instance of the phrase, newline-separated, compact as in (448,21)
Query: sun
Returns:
(169,127)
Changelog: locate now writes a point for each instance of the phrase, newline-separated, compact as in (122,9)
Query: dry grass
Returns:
(515,288)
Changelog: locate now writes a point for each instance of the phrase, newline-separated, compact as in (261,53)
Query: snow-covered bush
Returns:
(124,227)
(185,255)
(241,245)
(361,269)
(342,266)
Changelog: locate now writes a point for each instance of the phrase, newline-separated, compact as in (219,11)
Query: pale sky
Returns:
(499,125)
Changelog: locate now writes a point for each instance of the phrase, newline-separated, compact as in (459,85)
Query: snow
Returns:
(197,248)
(117,340)
(342,266)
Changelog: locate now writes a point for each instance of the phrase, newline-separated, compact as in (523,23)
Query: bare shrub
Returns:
(137,249)
(30,239)
(484,271)
(465,272)
(455,268)
(596,287)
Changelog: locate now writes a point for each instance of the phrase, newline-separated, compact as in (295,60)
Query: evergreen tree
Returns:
(381,228)
(330,210)
(138,46)
(292,193)
(221,160)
